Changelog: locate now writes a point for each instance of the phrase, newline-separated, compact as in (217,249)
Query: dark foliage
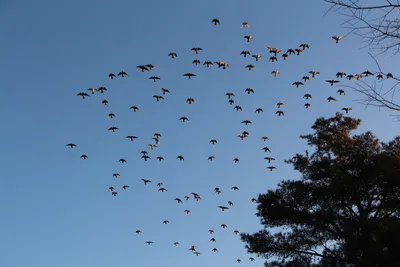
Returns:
(345,209)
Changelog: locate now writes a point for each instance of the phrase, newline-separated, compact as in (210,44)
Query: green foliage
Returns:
(344,211)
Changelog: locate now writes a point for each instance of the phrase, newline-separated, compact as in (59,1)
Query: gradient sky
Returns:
(56,208)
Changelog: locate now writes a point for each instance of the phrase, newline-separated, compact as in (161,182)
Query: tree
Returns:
(378,26)
(345,209)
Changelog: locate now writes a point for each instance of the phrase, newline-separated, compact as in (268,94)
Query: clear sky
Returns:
(56,208)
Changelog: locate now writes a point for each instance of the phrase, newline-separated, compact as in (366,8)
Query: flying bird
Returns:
(337,38)
(189,75)
(172,55)
(245,24)
(215,21)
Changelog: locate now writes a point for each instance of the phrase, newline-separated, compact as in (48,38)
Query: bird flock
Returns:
(147,154)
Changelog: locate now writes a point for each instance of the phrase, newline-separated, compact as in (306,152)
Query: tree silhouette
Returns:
(344,211)
(379,27)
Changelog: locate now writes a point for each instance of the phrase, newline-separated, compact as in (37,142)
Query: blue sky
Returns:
(56,208)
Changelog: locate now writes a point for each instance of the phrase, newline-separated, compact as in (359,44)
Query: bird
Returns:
(253,200)
(238,108)
(307,96)
(142,68)
(223,208)
(250,67)
(159,158)
(114,193)
(150,66)
(305,78)
(196,253)
(341,92)
(259,110)
(273,59)
(176,244)
(230,203)
(285,56)
(211,231)
(304,46)
(187,197)
(347,109)
(337,38)
(280,113)
(271,168)
(190,100)
(229,95)
(210,158)
(307,105)
(122,74)
(181,158)
(331,99)
(331,82)
(257,57)
(213,240)
(71,145)
(239,260)
(251,259)
(249,91)
(214,250)
(236,160)
(84,156)
(149,242)
(138,232)
(279,104)
(145,157)
(297,84)
(189,75)
(208,63)
(196,49)
(154,78)
(172,55)
(132,137)
(224,225)
(196,62)
(246,122)
(187,211)
(122,161)
(222,64)
(116,175)
(111,115)
(269,159)
(275,72)
(162,189)
(158,97)
(146,181)
(183,119)
(340,74)
(134,108)
(298,51)
(213,141)
(264,138)
(178,200)
(245,24)
(266,149)
(366,73)
(313,73)
(124,187)
(101,89)
(235,188)
(245,53)
(248,37)
(92,90)
(112,76)
(164,91)
(215,21)
(113,129)
(83,95)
